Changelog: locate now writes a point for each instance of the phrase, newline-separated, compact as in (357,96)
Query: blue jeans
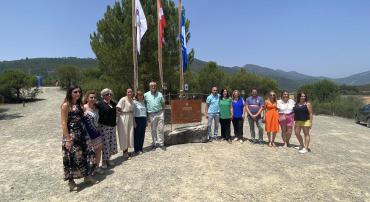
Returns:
(215,117)
(258,122)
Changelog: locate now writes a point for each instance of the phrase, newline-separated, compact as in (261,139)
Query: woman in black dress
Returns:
(78,154)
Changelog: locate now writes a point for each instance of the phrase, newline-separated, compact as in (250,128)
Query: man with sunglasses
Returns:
(253,108)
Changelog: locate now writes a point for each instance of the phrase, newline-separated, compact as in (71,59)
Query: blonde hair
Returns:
(87,94)
(105,91)
(235,91)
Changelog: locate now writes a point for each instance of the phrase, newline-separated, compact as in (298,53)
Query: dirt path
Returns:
(337,169)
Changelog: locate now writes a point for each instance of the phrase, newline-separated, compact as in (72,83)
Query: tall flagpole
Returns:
(134,48)
(181,72)
(159,45)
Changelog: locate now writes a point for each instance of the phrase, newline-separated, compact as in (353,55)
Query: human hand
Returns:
(69,144)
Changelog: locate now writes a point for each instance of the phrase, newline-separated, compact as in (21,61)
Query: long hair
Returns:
(222,93)
(87,94)
(274,99)
(299,96)
(233,94)
(68,97)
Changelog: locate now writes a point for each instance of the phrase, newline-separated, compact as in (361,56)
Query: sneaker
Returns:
(253,141)
(163,148)
(241,141)
(236,139)
(303,151)
(229,141)
(298,147)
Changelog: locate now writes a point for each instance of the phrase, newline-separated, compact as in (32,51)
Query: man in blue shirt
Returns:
(253,108)
(213,113)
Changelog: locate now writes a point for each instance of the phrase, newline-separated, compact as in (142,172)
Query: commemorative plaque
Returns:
(186,111)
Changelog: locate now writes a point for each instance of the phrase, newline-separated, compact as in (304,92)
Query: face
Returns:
(224,93)
(129,92)
(285,96)
(214,90)
(153,87)
(76,93)
(272,96)
(254,92)
(108,96)
(236,94)
(91,99)
(140,97)
(303,97)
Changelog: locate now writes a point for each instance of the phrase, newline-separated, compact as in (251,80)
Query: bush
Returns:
(343,106)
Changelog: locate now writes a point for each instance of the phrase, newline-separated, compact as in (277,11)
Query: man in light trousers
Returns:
(213,113)
(155,105)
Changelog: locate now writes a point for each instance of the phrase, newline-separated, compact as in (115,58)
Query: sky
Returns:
(315,37)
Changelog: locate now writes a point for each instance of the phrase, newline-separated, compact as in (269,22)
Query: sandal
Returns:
(73,186)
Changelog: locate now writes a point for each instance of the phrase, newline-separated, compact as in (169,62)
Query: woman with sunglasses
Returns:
(107,126)
(271,118)
(125,123)
(303,116)
(78,156)
(286,116)
(91,121)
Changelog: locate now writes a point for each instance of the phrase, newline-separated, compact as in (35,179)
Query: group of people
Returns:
(276,115)
(90,128)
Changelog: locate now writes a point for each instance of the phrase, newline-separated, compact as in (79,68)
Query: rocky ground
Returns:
(337,168)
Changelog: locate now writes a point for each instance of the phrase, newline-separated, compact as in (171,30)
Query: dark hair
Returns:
(68,97)
(87,94)
(284,91)
(299,96)
(222,93)
(137,94)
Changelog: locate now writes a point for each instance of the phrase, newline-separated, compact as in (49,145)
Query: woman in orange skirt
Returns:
(271,118)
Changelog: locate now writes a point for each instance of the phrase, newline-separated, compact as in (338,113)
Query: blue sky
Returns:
(315,37)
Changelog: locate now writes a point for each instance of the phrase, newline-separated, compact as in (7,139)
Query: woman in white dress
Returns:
(125,123)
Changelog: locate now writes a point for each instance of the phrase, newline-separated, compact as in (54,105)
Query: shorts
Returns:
(303,123)
(286,119)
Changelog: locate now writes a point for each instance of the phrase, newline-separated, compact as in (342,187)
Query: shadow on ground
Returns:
(4,116)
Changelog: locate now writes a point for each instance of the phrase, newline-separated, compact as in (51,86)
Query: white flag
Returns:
(141,24)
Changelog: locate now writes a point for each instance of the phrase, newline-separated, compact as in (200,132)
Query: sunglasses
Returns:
(108,94)
(272,95)
(93,98)
(76,91)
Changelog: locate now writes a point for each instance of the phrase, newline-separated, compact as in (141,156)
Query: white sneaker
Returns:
(303,151)
(236,139)
(241,141)
(298,147)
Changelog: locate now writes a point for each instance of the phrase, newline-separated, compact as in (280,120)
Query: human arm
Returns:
(310,111)
(231,110)
(64,121)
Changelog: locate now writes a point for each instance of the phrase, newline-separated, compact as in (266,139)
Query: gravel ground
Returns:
(337,169)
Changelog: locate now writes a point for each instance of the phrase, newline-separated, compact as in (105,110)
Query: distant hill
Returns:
(289,80)
(46,66)
(356,79)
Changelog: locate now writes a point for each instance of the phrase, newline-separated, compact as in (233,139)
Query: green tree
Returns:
(69,75)
(211,75)
(243,80)
(16,82)
(112,44)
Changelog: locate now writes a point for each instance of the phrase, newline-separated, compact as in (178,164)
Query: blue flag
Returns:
(183,42)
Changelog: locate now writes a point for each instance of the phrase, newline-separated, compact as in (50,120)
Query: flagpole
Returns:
(134,53)
(181,72)
(159,46)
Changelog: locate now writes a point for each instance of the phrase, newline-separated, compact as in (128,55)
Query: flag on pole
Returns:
(162,22)
(141,24)
(183,41)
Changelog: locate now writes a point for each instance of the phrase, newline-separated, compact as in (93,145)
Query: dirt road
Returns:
(337,169)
